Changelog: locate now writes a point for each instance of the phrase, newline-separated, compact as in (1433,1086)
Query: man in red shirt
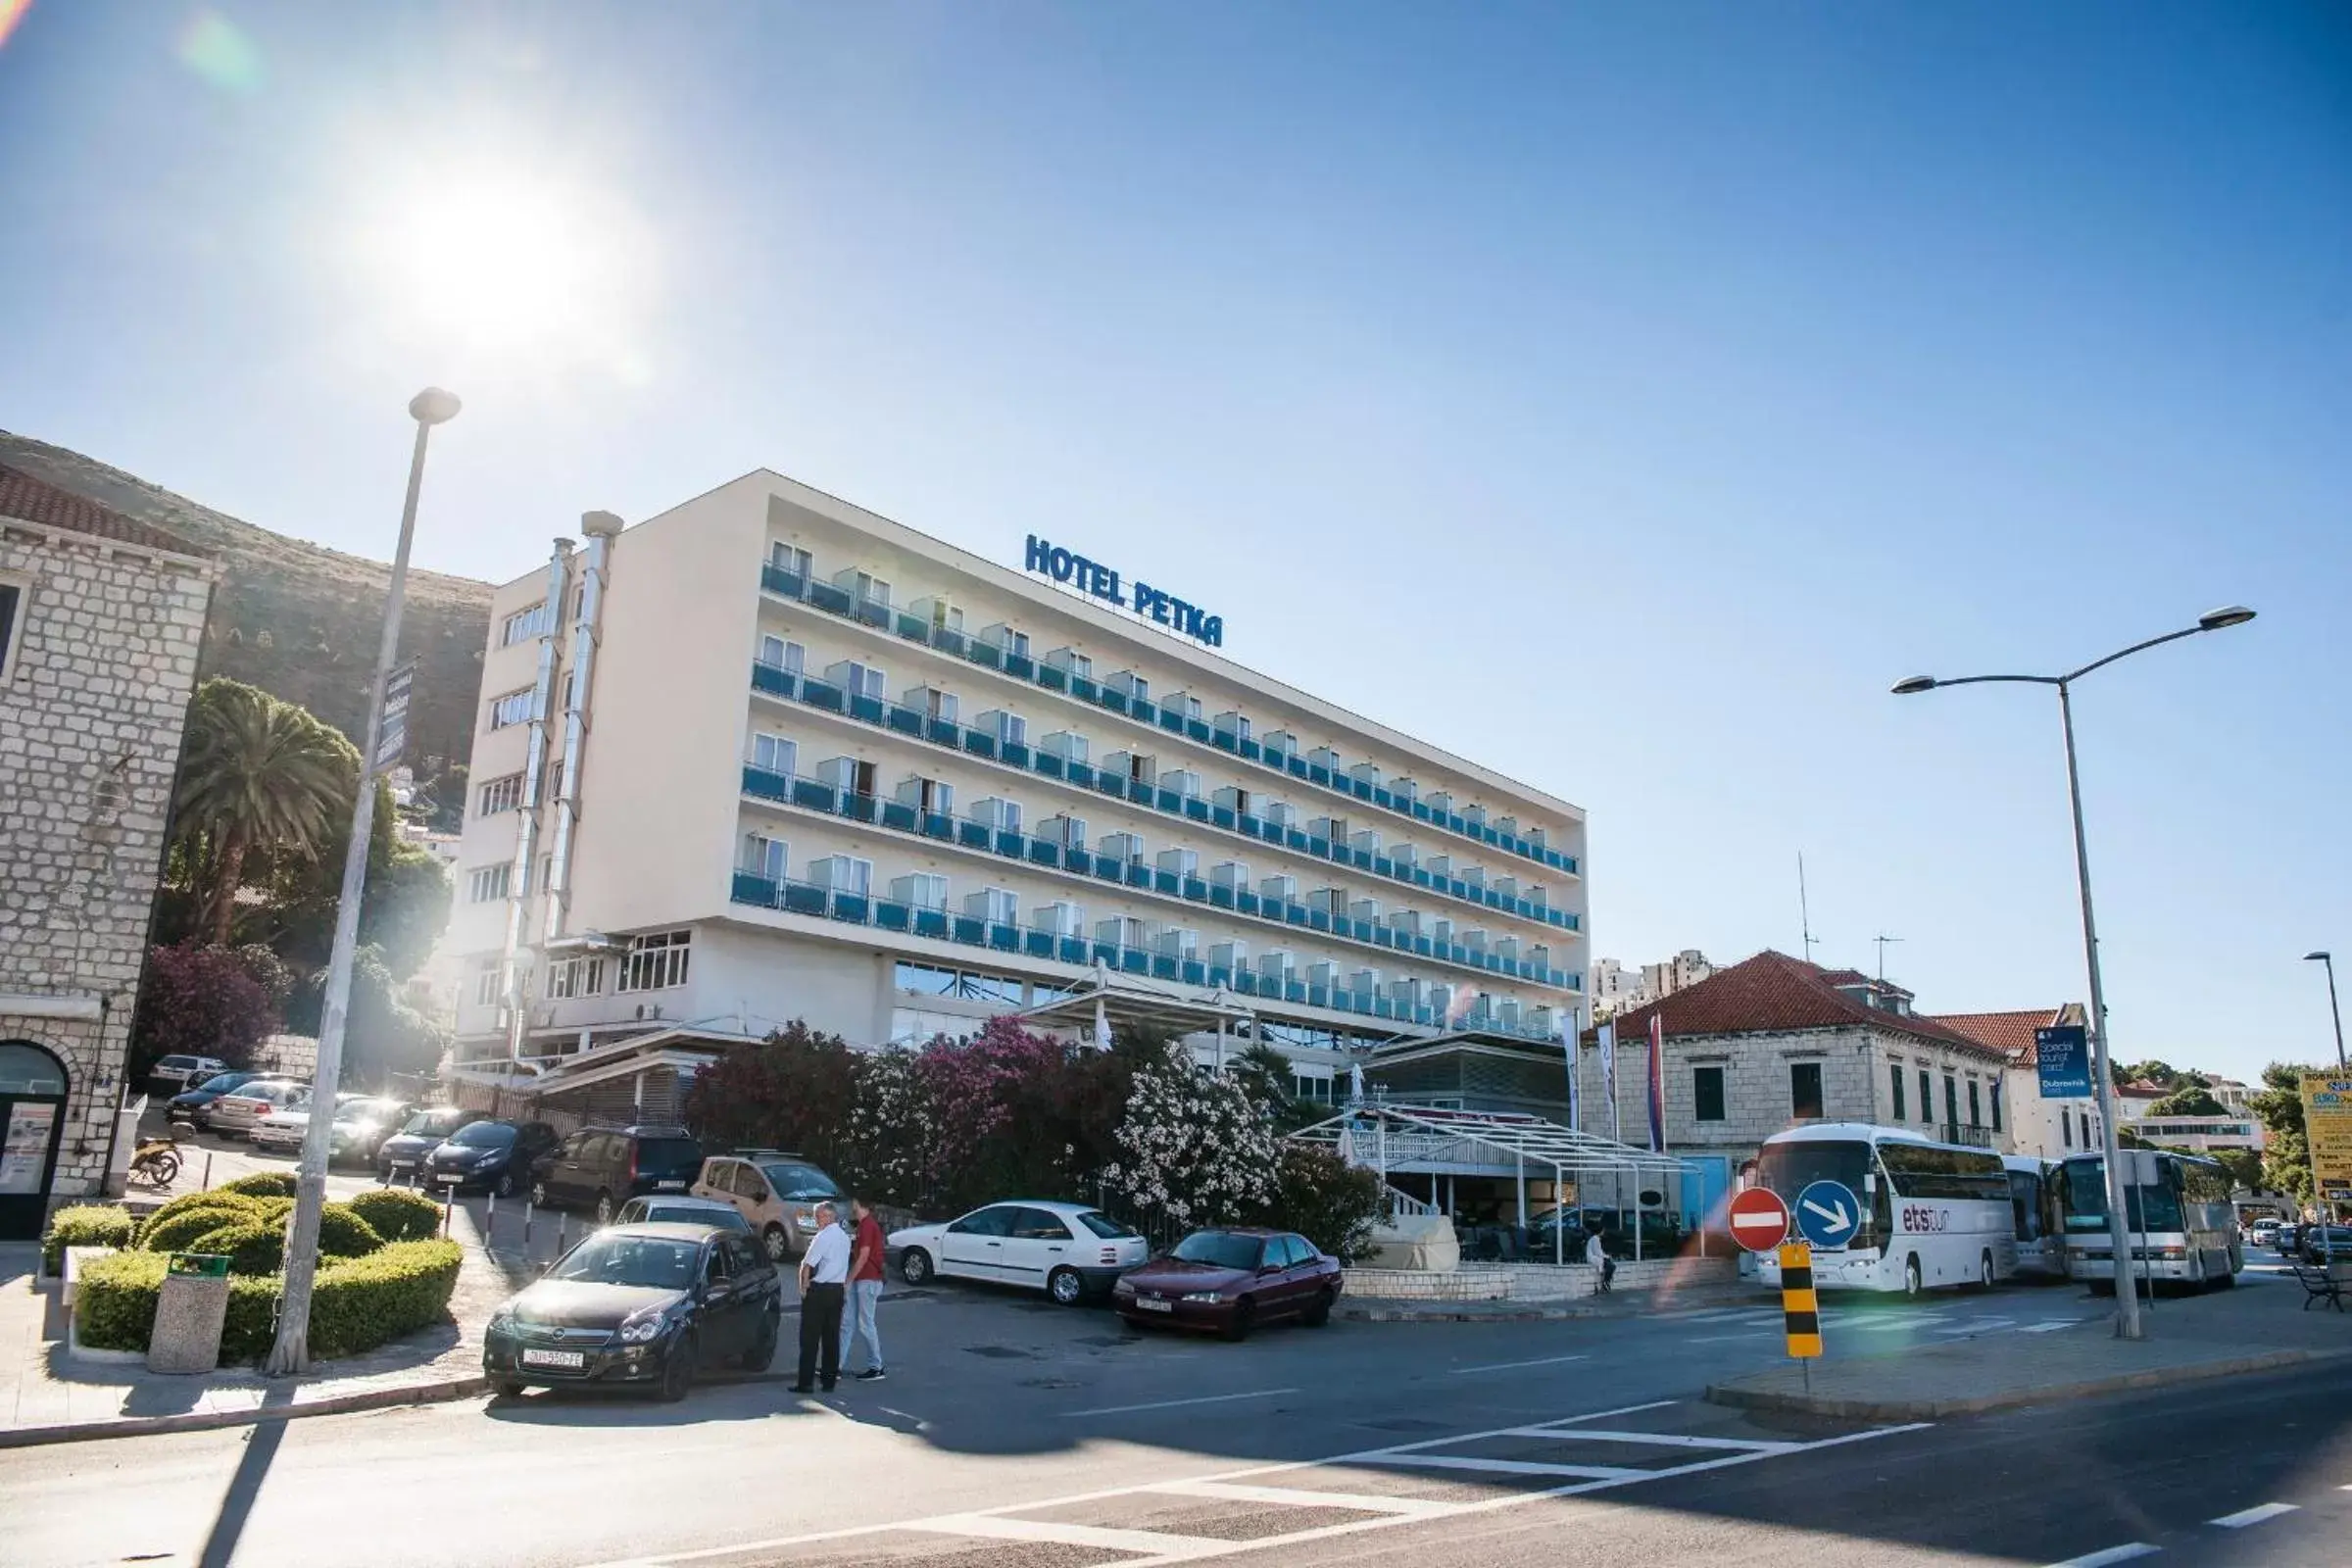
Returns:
(866,1249)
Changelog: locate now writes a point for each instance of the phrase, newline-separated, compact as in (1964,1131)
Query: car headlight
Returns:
(501,1321)
(807,1222)
(643,1325)
(1201,1296)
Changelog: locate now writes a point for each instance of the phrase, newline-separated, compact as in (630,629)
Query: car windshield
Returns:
(1105,1226)
(436,1124)
(654,1260)
(223,1082)
(1223,1249)
(364,1110)
(798,1181)
(684,1214)
(483,1135)
(668,1152)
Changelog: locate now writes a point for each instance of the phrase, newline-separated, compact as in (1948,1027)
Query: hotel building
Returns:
(767,757)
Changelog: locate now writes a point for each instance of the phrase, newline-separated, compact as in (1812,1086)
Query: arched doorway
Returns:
(32,1118)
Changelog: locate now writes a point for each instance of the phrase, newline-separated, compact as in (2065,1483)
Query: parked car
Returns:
(2317,1241)
(233,1115)
(488,1156)
(671,1209)
(777,1192)
(599,1168)
(1065,1249)
(1230,1281)
(362,1124)
(401,1156)
(189,1104)
(2263,1233)
(639,1305)
(171,1076)
(2285,1241)
(283,1130)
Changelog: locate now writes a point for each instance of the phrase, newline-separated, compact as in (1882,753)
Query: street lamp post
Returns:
(2127,1295)
(2328,958)
(292,1351)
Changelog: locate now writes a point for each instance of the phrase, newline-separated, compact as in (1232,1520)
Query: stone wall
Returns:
(91,715)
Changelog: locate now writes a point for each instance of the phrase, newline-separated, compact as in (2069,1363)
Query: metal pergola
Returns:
(1433,1135)
(1108,998)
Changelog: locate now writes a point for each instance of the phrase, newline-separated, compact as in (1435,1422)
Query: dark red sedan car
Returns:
(1230,1281)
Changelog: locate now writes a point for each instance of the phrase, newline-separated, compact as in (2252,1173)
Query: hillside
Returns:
(302,622)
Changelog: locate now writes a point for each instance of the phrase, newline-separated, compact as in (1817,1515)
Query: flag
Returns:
(1608,1073)
(1657,1084)
(1568,1044)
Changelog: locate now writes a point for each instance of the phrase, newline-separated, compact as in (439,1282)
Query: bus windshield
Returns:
(2145,1208)
(1789,1168)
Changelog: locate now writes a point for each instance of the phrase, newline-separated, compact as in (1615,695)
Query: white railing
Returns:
(1404,1203)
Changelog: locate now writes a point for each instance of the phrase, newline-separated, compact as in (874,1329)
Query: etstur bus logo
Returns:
(1921,1220)
(1092,578)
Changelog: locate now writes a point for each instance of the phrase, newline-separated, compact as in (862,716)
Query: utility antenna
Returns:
(1803,908)
(1882,941)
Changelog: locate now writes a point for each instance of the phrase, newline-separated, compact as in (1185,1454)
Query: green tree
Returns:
(256,773)
(2194,1101)
(403,910)
(2286,1158)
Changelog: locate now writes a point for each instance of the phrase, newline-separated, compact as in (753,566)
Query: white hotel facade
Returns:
(767,757)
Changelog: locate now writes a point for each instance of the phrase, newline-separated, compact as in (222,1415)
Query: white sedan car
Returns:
(1065,1249)
(281,1130)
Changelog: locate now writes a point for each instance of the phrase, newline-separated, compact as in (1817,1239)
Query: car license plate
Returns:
(573,1359)
(670,1187)
(1150,1305)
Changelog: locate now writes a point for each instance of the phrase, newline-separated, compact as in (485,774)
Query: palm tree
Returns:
(257,772)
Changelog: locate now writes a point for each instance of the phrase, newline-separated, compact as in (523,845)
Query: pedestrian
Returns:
(1598,1256)
(824,1269)
(865,1293)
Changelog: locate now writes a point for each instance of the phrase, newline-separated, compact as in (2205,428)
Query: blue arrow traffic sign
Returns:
(1827,1214)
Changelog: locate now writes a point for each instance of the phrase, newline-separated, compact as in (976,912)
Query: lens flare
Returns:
(221,55)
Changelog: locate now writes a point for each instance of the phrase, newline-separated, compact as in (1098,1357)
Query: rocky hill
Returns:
(302,622)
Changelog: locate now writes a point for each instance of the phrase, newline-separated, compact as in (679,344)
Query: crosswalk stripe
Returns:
(2252,1516)
(2113,1555)
(1504,1467)
(1663,1440)
(996,1527)
(1296,1496)
(2051,1326)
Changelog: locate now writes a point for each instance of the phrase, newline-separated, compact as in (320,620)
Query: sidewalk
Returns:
(2254,1328)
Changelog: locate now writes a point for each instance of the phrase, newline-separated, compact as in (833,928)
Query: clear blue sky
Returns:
(1620,395)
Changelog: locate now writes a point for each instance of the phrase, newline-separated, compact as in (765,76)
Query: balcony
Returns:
(821,902)
(988,838)
(839,602)
(1966,1137)
(787,685)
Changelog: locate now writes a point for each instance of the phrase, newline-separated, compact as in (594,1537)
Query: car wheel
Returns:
(505,1388)
(538,1195)
(505,1185)
(915,1267)
(778,1248)
(1912,1284)
(677,1373)
(1244,1317)
(1320,1314)
(763,1347)
(1065,1287)
(604,1209)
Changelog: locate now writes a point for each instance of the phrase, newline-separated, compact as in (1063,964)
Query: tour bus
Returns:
(2183,1229)
(1930,1213)
(2035,1212)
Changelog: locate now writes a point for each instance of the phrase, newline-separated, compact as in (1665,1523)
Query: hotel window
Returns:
(928,794)
(12,616)
(1706,1094)
(1133,686)
(788,558)
(500,794)
(1976,1113)
(1235,726)
(843,873)
(1008,730)
(764,857)
(1280,813)
(1927,1095)
(773,753)
(485,983)
(909,1026)
(1066,744)
(1804,1089)
(933,703)
(864,586)
(1001,814)
(2066,1129)
(1124,847)
(1186,706)
(1951,1100)
(1182,781)
(1994,1093)
(1894,1077)
(855,678)
(525,624)
(777,654)
(568,978)
(1072,662)
(1062,918)
(488,884)
(658,962)
(512,707)
(1013,644)
(923,890)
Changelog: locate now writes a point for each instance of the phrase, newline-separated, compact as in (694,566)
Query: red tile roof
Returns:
(2010,1033)
(1773,991)
(34,500)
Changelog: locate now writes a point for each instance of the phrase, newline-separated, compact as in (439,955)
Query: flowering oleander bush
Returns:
(1194,1147)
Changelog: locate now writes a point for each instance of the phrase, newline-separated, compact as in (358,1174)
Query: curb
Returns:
(2007,1398)
(143,1426)
(1367,1313)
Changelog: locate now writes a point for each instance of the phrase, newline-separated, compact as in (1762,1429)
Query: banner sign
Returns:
(1092,578)
(393,738)
(2062,1056)
(2327,1128)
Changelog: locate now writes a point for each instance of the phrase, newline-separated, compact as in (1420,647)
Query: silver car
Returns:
(233,1115)
(666,1209)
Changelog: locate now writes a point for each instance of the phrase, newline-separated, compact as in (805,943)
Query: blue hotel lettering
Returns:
(1095,578)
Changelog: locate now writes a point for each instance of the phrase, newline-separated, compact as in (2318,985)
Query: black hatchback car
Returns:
(601,1169)
(639,1305)
(184,1105)
(401,1156)
(488,1156)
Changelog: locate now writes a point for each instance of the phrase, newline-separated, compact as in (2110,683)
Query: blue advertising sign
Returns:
(1827,1214)
(1049,560)
(2063,1059)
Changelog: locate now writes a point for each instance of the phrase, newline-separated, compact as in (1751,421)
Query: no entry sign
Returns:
(1759,1219)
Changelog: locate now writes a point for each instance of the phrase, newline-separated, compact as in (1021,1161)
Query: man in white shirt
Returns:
(824,1271)
(1598,1256)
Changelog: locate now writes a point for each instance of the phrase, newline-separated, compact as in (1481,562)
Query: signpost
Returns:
(1827,1214)
(1801,1308)
(2062,1062)
(2327,1129)
(1759,1219)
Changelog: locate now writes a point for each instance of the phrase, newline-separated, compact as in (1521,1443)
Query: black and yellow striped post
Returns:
(1801,1308)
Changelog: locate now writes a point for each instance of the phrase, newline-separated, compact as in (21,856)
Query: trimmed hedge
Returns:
(174,1233)
(84,1225)
(215,1200)
(356,1304)
(398,1215)
(251,1246)
(343,1234)
(262,1184)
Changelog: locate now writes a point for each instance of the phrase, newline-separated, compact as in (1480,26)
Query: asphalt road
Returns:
(1012,1433)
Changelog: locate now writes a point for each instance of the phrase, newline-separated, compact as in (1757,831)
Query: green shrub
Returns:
(343,1234)
(262,1184)
(84,1225)
(175,1233)
(211,1201)
(113,1304)
(398,1215)
(251,1246)
(1328,1201)
(273,1210)
(356,1304)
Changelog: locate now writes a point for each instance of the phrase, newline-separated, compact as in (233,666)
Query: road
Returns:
(1015,1433)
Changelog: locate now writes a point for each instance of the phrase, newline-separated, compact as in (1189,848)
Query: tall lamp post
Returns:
(292,1351)
(2328,958)
(2127,1295)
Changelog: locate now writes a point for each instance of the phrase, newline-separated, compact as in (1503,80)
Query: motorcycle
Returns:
(156,1163)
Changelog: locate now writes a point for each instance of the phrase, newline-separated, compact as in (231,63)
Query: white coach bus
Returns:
(1932,1214)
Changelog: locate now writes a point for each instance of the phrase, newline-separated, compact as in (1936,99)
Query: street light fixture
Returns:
(2127,1295)
(2328,958)
(291,1352)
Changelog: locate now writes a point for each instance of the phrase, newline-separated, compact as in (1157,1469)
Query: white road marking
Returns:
(1504,1467)
(1236,1491)
(1170,1404)
(1507,1366)
(2053,1325)
(1663,1440)
(1729,1339)
(996,1527)
(2252,1516)
(2100,1559)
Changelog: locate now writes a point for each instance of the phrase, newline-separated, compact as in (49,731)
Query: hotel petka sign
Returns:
(1094,578)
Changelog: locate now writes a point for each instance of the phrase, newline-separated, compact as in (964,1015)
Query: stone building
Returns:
(2051,1129)
(101,617)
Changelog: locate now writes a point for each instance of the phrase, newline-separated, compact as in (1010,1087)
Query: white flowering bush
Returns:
(893,1140)
(1194,1147)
